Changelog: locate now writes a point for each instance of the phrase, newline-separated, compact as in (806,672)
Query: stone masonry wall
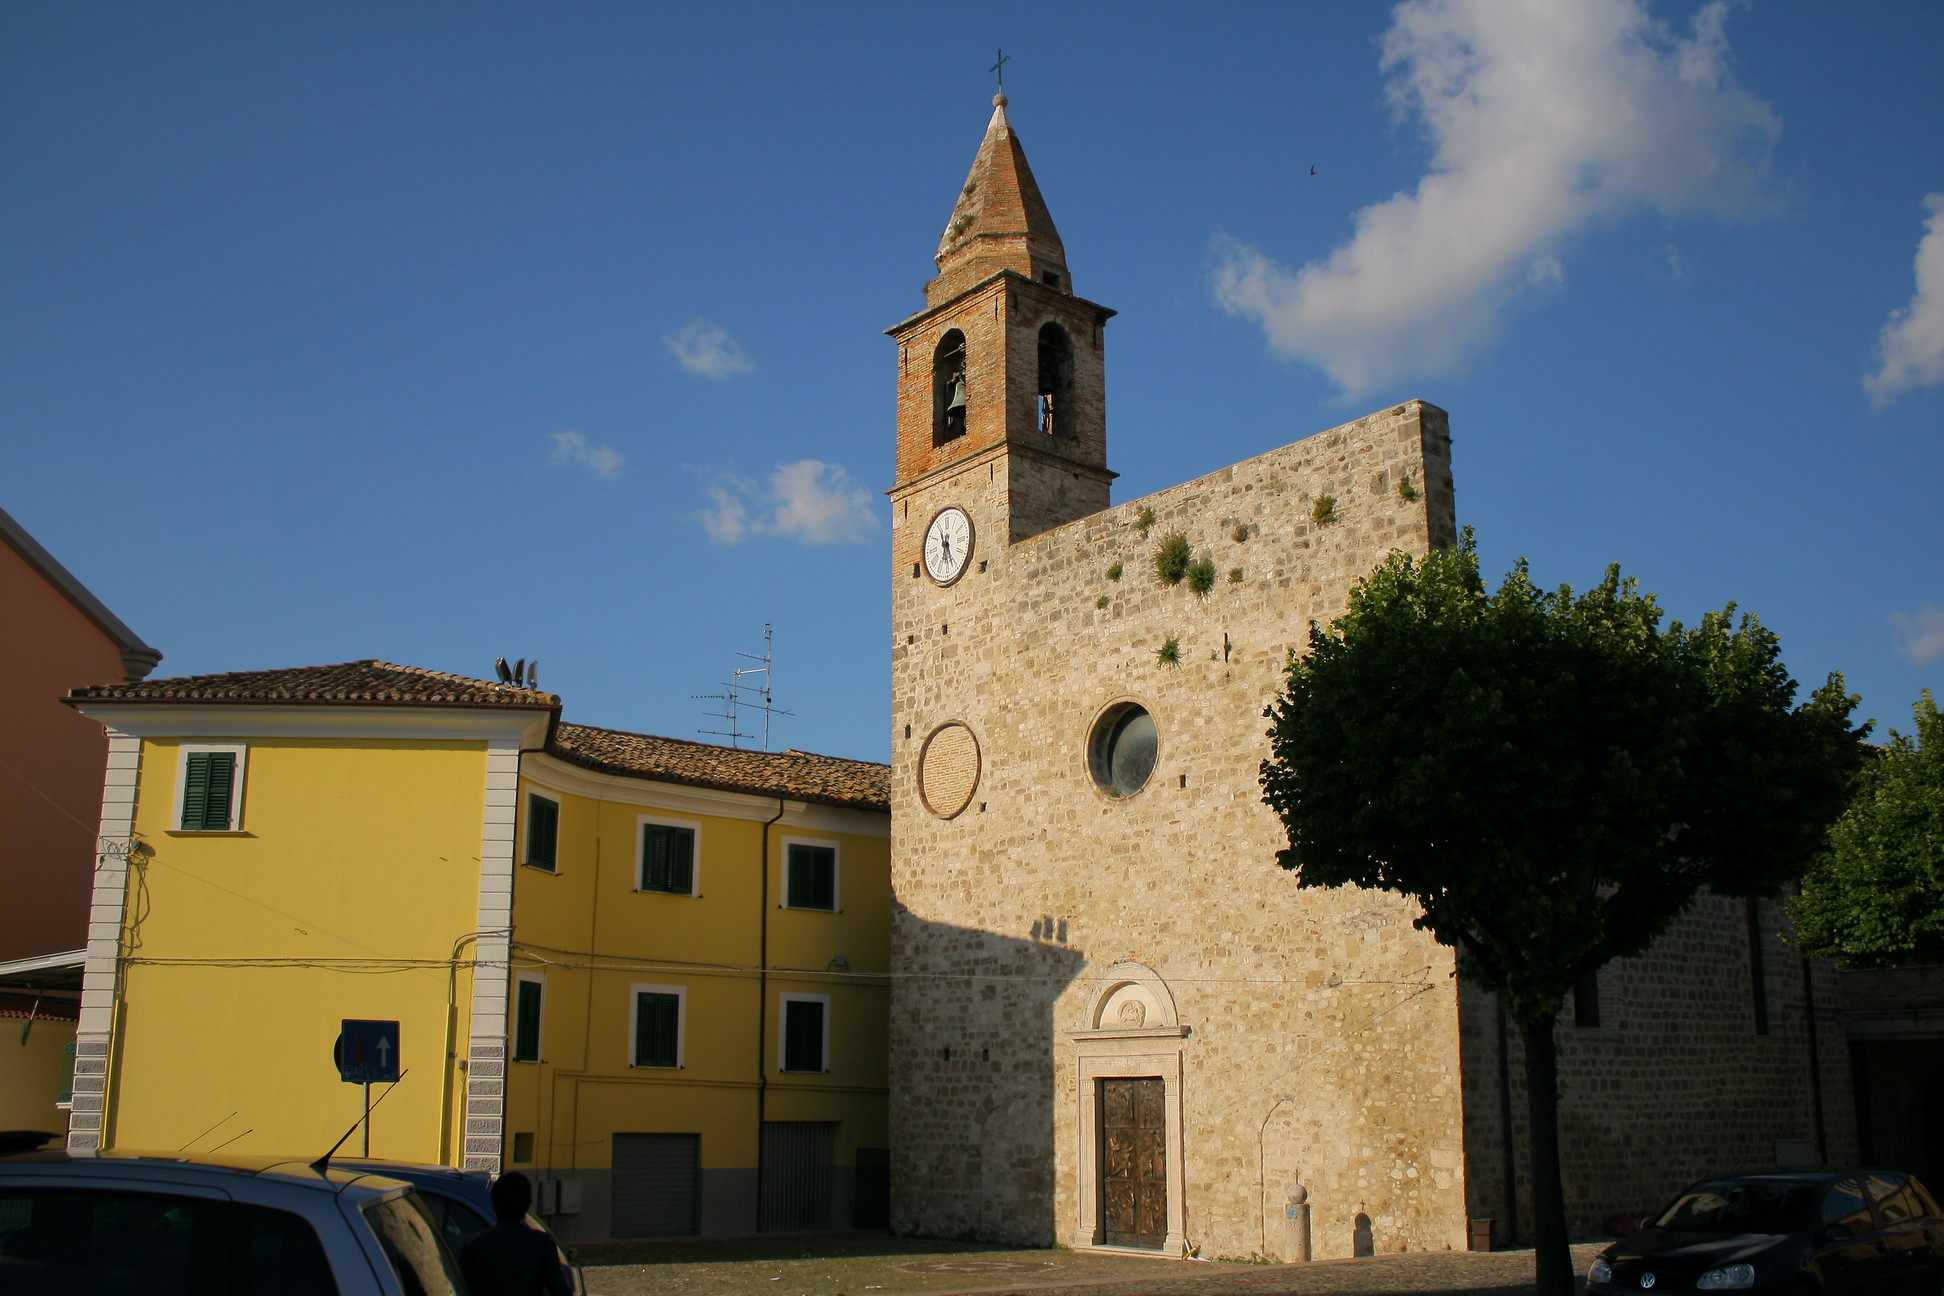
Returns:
(1323,1031)
(1675,1083)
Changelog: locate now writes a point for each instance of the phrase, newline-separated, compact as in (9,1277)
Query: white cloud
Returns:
(1544,116)
(573,448)
(707,349)
(808,501)
(1912,345)
(1920,634)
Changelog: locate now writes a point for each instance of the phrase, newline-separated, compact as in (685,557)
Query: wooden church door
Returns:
(1133,1162)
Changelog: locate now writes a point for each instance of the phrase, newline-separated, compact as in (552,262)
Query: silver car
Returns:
(166,1224)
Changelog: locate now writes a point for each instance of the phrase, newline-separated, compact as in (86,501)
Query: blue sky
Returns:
(440,332)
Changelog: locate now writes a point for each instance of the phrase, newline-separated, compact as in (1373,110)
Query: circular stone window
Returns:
(1122,749)
(948,770)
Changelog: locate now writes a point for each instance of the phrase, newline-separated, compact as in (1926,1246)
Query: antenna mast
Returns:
(736,694)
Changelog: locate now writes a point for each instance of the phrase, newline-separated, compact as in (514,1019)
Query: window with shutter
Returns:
(813,877)
(667,859)
(526,1023)
(803,1035)
(208,788)
(543,832)
(658,1030)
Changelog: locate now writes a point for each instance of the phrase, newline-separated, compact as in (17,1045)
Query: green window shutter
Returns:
(543,831)
(208,780)
(803,1024)
(813,877)
(658,1027)
(667,859)
(526,1023)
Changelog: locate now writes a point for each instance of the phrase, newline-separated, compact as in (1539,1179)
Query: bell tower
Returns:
(1002,371)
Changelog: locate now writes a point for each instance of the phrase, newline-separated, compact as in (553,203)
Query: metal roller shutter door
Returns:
(796,1175)
(654,1184)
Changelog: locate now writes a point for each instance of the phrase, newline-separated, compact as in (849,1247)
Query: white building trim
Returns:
(214,720)
(101,966)
(681,1021)
(695,854)
(183,752)
(487,1051)
(783,1000)
(836,849)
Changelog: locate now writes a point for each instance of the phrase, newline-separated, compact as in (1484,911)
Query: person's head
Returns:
(512,1194)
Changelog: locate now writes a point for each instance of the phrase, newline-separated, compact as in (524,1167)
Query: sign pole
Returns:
(367,1118)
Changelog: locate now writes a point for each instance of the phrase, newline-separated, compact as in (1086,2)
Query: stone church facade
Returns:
(1115,1022)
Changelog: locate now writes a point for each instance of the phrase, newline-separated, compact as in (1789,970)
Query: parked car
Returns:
(168,1224)
(461,1202)
(1841,1233)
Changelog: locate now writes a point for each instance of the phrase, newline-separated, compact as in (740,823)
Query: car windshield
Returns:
(1741,1206)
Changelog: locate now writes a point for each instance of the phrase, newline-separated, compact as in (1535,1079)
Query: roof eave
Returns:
(714,785)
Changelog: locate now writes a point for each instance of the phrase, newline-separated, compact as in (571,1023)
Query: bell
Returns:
(958,396)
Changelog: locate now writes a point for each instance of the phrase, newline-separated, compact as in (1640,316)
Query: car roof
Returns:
(144,1164)
(472,1183)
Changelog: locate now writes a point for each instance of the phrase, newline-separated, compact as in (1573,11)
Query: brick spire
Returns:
(1000,221)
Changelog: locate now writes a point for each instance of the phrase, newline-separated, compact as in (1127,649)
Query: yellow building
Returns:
(649,972)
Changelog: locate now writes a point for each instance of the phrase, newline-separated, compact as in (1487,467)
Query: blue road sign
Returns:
(367,1052)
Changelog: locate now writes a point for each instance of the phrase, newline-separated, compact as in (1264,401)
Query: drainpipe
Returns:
(762,1010)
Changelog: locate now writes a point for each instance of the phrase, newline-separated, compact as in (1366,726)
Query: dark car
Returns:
(461,1201)
(1849,1232)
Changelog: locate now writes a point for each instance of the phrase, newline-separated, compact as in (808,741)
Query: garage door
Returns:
(796,1175)
(654,1184)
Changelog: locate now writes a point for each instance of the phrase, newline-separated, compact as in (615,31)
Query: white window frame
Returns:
(681,1022)
(783,1028)
(526,826)
(836,873)
(183,753)
(540,1036)
(695,863)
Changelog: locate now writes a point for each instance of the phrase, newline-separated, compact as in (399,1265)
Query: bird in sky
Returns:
(1312,170)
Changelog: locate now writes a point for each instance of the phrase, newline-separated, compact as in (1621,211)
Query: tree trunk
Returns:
(1552,1260)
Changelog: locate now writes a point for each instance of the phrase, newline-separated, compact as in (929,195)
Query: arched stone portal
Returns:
(1128,1056)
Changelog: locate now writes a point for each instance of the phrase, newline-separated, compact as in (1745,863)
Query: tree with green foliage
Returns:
(1552,777)
(1876,897)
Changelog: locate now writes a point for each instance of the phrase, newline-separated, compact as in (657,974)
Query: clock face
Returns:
(948,545)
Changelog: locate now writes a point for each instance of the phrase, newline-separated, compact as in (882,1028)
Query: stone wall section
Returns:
(1675,1083)
(1323,1031)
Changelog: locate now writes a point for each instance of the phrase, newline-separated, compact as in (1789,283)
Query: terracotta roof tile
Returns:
(800,776)
(370,683)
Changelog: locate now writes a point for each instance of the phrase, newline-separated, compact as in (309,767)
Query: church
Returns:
(1115,1022)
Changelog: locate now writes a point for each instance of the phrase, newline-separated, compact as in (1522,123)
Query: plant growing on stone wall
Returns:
(1405,491)
(1169,653)
(1201,577)
(1235,575)
(1114,572)
(1241,533)
(1102,601)
(1143,522)
(1323,512)
(959,225)
(1571,775)
(1172,558)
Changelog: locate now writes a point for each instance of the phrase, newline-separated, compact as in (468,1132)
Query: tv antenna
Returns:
(738,694)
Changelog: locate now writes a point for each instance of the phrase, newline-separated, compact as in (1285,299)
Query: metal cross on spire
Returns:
(999,69)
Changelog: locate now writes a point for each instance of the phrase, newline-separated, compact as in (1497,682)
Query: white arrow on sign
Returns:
(384,1047)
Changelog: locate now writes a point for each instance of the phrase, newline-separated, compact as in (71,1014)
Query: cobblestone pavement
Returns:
(876,1265)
